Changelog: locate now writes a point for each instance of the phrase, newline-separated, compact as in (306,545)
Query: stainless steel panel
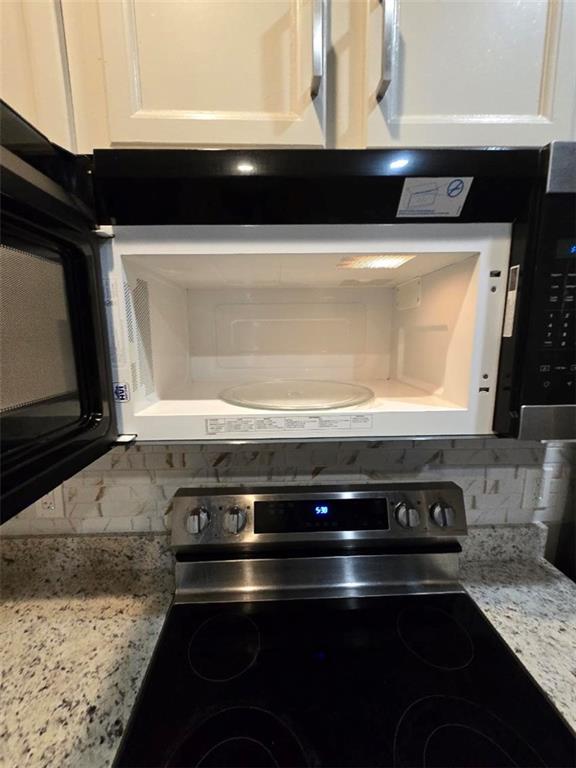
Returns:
(562,168)
(418,495)
(547,422)
(316,577)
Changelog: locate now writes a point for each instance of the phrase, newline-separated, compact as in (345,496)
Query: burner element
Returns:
(224,647)
(449,732)
(436,638)
(238,751)
(237,738)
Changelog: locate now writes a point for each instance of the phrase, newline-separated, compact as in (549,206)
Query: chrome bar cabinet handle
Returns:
(318,45)
(389,34)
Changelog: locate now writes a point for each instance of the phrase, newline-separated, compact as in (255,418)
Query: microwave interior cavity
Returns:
(394,328)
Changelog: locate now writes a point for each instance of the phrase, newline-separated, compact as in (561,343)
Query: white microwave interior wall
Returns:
(202,323)
(198,314)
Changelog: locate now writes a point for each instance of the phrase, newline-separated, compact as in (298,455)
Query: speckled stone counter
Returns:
(80,617)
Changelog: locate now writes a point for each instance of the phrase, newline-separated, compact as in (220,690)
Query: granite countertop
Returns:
(80,617)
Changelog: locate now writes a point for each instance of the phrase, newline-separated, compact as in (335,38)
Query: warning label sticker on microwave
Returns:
(443,196)
(234,425)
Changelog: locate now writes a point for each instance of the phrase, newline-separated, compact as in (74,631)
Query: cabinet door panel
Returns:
(474,73)
(210,72)
(34,68)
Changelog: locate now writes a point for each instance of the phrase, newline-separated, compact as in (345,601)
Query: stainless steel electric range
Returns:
(326,627)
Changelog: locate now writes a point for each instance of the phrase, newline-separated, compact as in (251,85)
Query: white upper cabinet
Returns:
(34,69)
(291,73)
(205,72)
(471,72)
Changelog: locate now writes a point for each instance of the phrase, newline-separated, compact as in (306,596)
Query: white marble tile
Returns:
(36,527)
(499,481)
(146,477)
(123,509)
(129,477)
(494,501)
(86,477)
(520,516)
(82,511)
(80,494)
(484,516)
(140,524)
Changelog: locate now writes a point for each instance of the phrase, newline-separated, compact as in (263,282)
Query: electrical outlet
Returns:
(51,505)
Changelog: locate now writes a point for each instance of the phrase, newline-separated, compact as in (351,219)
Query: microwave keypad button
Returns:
(559,327)
(566,388)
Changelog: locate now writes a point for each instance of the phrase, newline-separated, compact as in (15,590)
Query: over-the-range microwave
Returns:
(268,295)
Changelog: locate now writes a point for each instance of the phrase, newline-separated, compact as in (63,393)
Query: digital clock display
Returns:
(314,516)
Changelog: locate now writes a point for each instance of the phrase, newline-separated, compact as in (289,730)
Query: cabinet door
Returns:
(34,69)
(471,72)
(213,72)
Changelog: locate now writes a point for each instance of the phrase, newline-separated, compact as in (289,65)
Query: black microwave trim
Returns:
(514,348)
(299,186)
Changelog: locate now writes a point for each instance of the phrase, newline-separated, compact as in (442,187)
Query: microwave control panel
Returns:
(557,365)
(550,376)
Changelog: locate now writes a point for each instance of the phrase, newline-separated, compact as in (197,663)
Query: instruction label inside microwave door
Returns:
(441,196)
(235,425)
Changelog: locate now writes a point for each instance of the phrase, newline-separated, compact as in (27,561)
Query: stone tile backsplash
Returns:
(130,490)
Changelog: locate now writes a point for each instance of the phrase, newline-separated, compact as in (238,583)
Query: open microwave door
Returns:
(56,409)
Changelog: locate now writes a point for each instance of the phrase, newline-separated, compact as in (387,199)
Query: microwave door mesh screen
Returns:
(36,349)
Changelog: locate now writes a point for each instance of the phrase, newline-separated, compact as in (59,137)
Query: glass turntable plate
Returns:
(295,395)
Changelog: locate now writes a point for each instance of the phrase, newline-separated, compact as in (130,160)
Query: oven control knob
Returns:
(442,515)
(406,517)
(197,520)
(235,519)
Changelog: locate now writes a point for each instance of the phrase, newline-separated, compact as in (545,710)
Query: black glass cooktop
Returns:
(387,681)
